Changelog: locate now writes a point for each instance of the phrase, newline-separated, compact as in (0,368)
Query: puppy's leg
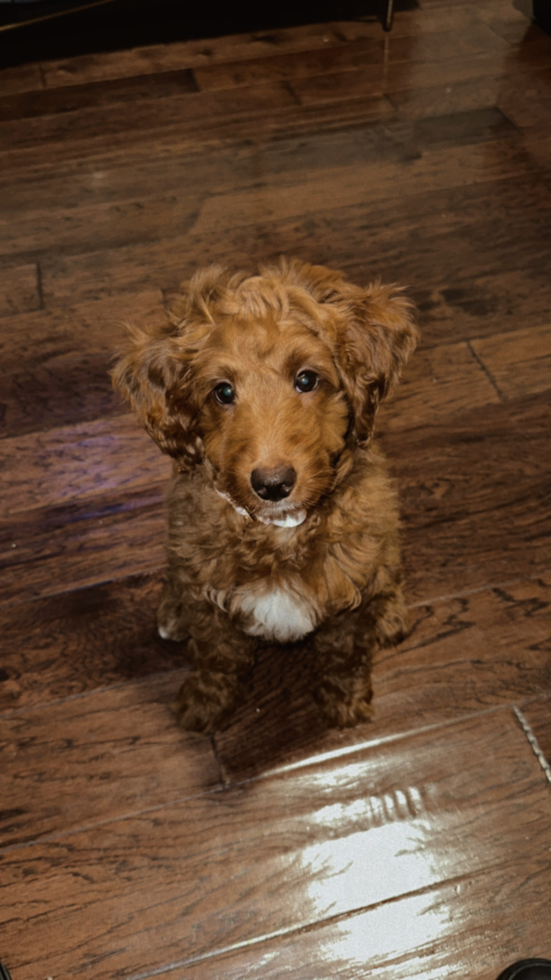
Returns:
(344,652)
(223,655)
(172,621)
(389,615)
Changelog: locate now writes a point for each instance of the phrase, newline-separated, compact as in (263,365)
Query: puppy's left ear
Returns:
(153,375)
(375,337)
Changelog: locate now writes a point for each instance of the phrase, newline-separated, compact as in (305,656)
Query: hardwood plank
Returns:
(519,362)
(210,132)
(405,73)
(19,289)
(475,499)
(54,366)
(67,388)
(331,58)
(250,212)
(497,232)
(232,114)
(51,550)
(472,927)
(83,639)
(528,114)
(516,94)
(539,148)
(277,855)
(94,327)
(438,383)
(511,285)
(123,220)
(486,304)
(64,185)
(47,469)
(454,45)
(464,655)
(23,78)
(96,758)
(112,225)
(113,124)
(47,101)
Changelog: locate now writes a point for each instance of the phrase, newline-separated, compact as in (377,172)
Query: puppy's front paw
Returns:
(344,701)
(170,616)
(206,702)
(170,629)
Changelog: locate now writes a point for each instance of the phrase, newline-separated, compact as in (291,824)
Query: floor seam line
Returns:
(536,748)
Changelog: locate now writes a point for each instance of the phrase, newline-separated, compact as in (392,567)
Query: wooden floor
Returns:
(418,845)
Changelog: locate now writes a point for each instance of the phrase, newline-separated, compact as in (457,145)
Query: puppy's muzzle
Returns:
(273,484)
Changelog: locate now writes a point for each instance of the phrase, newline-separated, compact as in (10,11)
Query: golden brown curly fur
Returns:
(282,519)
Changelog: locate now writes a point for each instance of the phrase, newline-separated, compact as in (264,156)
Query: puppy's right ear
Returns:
(154,375)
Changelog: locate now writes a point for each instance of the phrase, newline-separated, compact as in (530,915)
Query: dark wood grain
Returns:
(96,637)
(87,329)
(47,551)
(19,289)
(504,237)
(126,121)
(113,214)
(519,99)
(326,60)
(475,499)
(54,367)
(84,761)
(312,856)
(22,78)
(520,362)
(44,470)
(47,102)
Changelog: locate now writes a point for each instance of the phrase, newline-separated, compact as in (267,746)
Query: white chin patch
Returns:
(292,519)
(287,519)
(277,615)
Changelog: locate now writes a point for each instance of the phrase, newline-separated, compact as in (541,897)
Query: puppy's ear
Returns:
(374,342)
(154,376)
(372,331)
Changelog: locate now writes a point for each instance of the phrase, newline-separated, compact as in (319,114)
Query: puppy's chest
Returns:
(277,612)
(275,602)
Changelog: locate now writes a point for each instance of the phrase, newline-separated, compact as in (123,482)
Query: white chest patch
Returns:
(278,615)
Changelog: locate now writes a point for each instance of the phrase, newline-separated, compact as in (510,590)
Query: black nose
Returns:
(274,484)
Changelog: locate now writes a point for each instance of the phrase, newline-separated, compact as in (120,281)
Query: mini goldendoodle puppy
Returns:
(282,518)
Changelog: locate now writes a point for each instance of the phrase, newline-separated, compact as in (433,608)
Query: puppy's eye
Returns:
(224,393)
(306,381)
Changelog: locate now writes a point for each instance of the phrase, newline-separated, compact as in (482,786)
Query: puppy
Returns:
(282,518)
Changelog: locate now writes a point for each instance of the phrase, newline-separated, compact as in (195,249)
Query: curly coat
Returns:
(282,518)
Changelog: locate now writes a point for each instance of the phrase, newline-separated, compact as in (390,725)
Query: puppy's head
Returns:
(267,379)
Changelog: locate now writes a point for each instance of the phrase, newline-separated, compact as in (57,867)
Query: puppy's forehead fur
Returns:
(263,345)
(235,325)
(213,295)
